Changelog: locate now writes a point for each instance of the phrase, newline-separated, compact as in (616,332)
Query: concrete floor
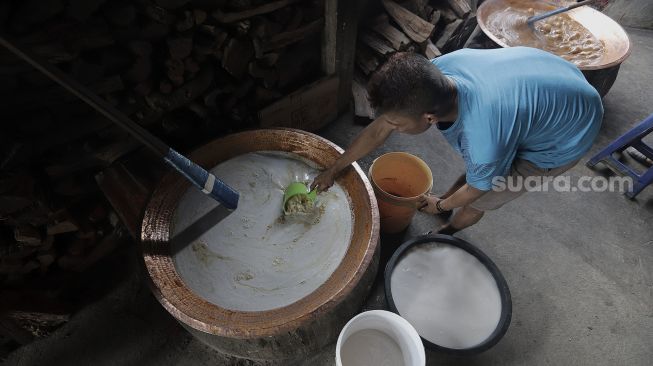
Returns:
(579,266)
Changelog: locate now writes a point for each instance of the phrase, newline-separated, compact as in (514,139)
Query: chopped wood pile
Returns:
(186,70)
(181,68)
(429,27)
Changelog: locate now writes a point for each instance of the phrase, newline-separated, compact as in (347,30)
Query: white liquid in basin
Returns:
(370,347)
(251,261)
(447,294)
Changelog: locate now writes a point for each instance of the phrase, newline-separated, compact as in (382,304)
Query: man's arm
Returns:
(462,197)
(373,136)
(465,195)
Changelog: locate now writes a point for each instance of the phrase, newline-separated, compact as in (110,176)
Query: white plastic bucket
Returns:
(391,325)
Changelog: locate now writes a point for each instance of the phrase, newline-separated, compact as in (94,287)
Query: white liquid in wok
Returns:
(251,261)
(447,294)
(371,347)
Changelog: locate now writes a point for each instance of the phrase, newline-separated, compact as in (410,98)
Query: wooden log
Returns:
(270,59)
(232,17)
(153,31)
(415,27)
(237,55)
(11,265)
(62,227)
(287,38)
(15,253)
(72,163)
(434,17)
(46,258)
(62,222)
(397,38)
(264,96)
(366,60)
(209,43)
(191,66)
(12,330)
(159,14)
(114,150)
(362,107)
(375,43)
(446,14)
(140,70)
(212,98)
(309,108)
(30,266)
(175,71)
(430,50)
(98,214)
(186,22)
(418,7)
(461,35)
(199,16)
(296,20)
(182,96)
(47,243)
(126,194)
(76,247)
(39,317)
(28,235)
(81,263)
(55,52)
(238,95)
(460,7)
(180,47)
(269,75)
(447,33)
(243,27)
(165,87)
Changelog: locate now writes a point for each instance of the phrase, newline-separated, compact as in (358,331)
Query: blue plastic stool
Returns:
(631,138)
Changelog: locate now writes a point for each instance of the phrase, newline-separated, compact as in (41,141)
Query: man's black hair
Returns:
(410,84)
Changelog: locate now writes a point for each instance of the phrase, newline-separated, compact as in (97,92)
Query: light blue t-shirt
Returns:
(522,103)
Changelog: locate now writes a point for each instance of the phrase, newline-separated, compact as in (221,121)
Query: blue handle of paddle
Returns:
(207,182)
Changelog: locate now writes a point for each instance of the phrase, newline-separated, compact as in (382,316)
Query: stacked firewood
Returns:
(429,27)
(175,66)
(186,70)
(51,235)
(42,230)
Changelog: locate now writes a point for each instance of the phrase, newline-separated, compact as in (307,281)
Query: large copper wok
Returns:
(613,36)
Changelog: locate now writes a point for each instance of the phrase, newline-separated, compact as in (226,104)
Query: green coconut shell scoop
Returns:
(298,199)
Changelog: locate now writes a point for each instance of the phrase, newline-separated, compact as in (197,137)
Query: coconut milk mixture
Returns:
(254,260)
(447,294)
(370,347)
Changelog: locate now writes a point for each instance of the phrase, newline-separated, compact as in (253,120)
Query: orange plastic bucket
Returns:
(398,179)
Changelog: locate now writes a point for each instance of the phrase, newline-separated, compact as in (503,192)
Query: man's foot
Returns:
(448,230)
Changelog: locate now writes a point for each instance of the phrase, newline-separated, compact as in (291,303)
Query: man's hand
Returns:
(427,203)
(323,181)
